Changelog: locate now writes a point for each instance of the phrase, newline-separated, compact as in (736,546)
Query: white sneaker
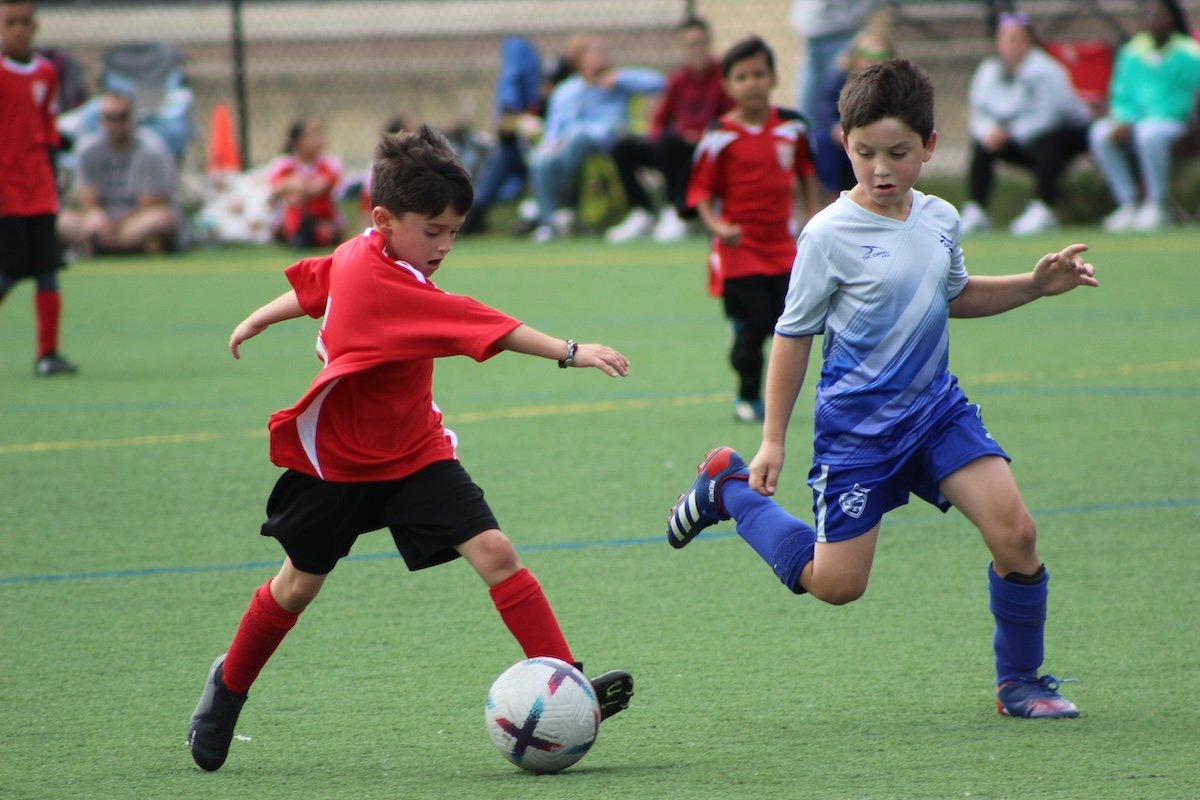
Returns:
(527,209)
(670,227)
(563,222)
(542,234)
(1121,219)
(1036,218)
(974,219)
(637,223)
(1151,217)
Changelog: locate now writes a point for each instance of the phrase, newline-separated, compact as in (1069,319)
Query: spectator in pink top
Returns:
(693,99)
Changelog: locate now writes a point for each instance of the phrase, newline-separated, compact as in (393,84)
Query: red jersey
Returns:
(690,103)
(28,130)
(322,206)
(369,414)
(750,176)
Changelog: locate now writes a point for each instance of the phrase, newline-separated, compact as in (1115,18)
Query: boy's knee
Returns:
(838,594)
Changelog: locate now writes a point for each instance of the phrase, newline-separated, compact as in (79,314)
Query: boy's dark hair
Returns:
(747,48)
(421,173)
(693,22)
(897,88)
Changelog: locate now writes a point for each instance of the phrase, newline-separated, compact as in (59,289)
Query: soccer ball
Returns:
(542,714)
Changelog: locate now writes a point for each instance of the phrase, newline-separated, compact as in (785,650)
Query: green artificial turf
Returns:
(132,494)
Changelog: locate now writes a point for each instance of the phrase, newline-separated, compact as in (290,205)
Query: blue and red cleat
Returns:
(1033,698)
(700,506)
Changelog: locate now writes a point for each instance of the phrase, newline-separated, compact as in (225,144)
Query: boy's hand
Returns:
(765,468)
(247,329)
(603,358)
(1060,272)
(728,232)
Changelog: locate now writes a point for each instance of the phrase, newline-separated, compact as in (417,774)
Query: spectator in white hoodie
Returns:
(1023,110)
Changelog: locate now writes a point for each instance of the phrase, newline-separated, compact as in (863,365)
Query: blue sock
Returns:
(783,541)
(1020,612)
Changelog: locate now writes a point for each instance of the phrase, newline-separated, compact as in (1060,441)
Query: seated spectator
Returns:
(522,86)
(1023,110)
(303,181)
(585,114)
(872,45)
(693,99)
(124,188)
(1151,97)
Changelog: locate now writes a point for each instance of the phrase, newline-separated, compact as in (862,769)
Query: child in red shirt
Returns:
(28,191)
(365,447)
(303,181)
(748,171)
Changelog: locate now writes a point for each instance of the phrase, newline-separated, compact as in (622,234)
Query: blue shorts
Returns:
(849,501)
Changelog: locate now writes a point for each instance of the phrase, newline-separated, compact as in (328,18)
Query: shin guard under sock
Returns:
(527,614)
(47,306)
(262,628)
(785,542)
(1020,612)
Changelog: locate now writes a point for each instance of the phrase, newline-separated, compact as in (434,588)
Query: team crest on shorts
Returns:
(854,502)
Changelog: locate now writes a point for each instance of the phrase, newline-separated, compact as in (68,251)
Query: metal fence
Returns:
(357,63)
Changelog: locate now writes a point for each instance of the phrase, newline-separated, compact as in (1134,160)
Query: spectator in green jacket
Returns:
(1152,97)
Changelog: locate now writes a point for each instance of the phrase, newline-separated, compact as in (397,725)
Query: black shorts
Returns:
(428,513)
(29,246)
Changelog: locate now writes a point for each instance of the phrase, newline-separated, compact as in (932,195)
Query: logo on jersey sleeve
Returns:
(854,502)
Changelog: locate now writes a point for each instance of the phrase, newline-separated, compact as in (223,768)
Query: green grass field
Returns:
(132,496)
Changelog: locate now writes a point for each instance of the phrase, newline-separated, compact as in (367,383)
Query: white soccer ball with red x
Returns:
(542,714)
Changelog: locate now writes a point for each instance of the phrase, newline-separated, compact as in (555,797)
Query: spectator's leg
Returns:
(982,173)
(150,229)
(673,156)
(631,153)
(1153,140)
(1113,161)
(554,174)
(1049,156)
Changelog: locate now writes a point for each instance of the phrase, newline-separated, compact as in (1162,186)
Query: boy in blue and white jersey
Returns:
(879,272)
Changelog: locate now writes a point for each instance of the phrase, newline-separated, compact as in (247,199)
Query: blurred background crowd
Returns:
(255,120)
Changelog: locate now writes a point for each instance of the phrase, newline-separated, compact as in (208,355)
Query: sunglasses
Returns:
(1013,18)
(120,116)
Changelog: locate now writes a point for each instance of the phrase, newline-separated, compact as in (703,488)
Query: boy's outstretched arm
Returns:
(785,375)
(524,339)
(286,306)
(1053,274)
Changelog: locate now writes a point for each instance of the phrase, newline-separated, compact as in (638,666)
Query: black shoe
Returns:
(53,364)
(613,690)
(211,728)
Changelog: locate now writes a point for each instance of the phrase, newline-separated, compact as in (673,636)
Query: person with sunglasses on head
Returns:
(124,189)
(1022,110)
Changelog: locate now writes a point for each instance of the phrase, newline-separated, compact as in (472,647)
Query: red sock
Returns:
(262,628)
(527,613)
(47,305)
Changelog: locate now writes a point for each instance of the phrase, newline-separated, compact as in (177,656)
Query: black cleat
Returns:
(53,364)
(613,690)
(211,728)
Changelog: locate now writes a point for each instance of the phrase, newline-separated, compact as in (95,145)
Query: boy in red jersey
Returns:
(365,448)
(750,169)
(28,192)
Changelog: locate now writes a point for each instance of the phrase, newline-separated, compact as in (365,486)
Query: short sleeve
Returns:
(812,285)
(310,280)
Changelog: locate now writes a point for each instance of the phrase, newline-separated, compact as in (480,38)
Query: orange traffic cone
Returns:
(223,154)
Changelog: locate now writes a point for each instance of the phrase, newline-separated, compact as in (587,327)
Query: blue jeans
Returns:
(552,171)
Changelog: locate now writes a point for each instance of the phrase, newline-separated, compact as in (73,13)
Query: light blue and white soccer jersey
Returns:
(879,289)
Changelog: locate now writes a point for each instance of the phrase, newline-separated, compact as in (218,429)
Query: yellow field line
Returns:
(523,412)
(598,407)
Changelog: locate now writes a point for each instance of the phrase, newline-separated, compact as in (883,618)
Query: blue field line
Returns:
(1097,508)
